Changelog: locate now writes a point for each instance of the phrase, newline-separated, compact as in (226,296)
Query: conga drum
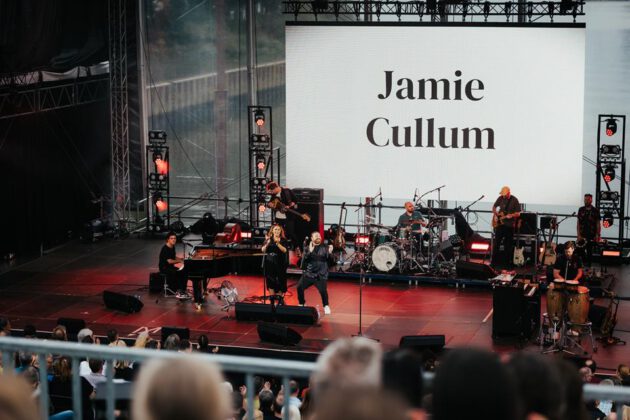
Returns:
(556,303)
(578,305)
(571,286)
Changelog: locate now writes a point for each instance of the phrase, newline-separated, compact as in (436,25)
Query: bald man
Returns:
(411,214)
(505,211)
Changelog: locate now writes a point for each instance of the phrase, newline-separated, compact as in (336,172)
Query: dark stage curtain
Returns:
(53,165)
(54,35)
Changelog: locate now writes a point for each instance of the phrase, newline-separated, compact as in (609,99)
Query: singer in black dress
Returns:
(276,261)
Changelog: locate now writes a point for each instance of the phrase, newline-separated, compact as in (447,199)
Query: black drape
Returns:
(53,165)
(55,35)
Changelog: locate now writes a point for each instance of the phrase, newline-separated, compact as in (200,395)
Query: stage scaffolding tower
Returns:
(119,112)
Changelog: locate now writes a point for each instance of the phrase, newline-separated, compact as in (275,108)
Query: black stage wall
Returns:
(53,164)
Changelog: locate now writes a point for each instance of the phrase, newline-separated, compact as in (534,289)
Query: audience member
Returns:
(606,406)
(622,371)
(537,381)
(266,398)
(402,375)
(5,327)
(294,389)
(96,375)
(172,342)
(16,399)
(59,333)
(112,336)
(203,343)
(85,332)
(473,383)
(185,346)
(182,388)
(572,393)
(347,363)
(30,331)
(365,403)
(306,407)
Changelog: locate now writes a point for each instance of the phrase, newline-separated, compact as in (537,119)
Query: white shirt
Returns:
(279,214)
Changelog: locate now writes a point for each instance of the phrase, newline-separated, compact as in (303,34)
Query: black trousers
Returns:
(503,234)
(587,252)
(197,283)
(307,281)
(177,279)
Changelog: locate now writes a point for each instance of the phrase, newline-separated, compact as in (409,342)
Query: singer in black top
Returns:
(506,210)
(170,264)
(315,262)
(569,265)
(276,262)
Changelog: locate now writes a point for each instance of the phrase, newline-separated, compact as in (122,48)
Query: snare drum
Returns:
(578,305)
(385,257)
(380,238)
(556,300)
(403,233)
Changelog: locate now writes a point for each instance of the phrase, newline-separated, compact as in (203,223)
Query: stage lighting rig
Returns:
(608,196)
(608,220)
(609,173)
(158,201)
(261,162)
(610,150)
(157,137)
(259,117)
(611,127)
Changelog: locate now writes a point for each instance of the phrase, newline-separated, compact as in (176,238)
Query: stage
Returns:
(69,282)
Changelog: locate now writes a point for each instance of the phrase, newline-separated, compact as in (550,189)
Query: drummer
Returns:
(568,267)
(412,217)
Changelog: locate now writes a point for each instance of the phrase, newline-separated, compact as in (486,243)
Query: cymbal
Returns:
(376,225)
(411,221)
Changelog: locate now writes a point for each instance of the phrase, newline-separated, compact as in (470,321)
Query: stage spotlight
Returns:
(157,137)
(609,173)
(159,202)
(610,150)
(259,117)
(608,196)
(608,220)
(611,127)
(261,208)
(261,162)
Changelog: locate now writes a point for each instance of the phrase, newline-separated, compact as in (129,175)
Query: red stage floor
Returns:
(69,283)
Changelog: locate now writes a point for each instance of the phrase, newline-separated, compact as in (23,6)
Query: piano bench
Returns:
(156,282)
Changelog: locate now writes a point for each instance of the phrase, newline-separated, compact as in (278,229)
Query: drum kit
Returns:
(406,248)
(567,307)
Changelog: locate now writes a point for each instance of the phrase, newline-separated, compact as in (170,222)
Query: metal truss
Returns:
(33,99)
(119,111)
(435,9)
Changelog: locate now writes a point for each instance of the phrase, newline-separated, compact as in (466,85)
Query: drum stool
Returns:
(545,331)
(584,330)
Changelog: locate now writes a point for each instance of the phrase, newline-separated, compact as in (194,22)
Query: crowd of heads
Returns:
(353,379)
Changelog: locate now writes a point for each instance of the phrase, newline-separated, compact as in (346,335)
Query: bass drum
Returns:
(385,257)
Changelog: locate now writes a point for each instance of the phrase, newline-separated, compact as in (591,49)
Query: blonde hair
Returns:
(16,401)
(186,388)
(348,363)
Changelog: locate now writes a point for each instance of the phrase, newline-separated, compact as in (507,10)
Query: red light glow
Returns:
(479,246)
(161,166)
(611,253)
(362,240)
(161,205)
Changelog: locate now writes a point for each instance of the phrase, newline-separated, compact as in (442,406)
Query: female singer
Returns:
(276,262)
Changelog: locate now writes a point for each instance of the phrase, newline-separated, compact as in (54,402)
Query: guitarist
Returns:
(505,211)
(588,226)
(285,220)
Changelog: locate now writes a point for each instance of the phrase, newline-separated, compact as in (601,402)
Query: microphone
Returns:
(415,195)
(380,193)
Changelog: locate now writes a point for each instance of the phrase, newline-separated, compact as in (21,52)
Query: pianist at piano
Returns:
(173,266)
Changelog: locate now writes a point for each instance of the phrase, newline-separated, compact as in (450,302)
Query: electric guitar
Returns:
(499,218)
(276,204)
(339,243)
(548,253)
(519,257)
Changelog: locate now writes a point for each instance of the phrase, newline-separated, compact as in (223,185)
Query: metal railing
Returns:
(238,364)
(249,366)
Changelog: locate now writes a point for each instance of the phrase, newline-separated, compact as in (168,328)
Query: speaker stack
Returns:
(304,315)
(311,201)
(121,302)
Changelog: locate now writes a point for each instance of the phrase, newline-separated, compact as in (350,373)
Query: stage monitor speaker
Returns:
(121,302)
(529,223)
(182,332)
(156,282)
(514,313)
(546,222)
(73,326)
(419,343)
(310,201)
(306,315)
(472,270)
(278,334)
(253,312)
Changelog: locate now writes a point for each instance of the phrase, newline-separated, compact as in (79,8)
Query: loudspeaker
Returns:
(253,312)
(310,201)
(529,223)
(514,313)
(182,332)
(306,315)
(596,314)
(121,302)
(471,270)
(547,221)
(435,343)
(156,282)
(73,326)
(278,334)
